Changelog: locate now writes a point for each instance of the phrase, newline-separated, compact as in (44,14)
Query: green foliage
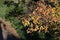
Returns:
(17,25)
(10,10)
(19,8)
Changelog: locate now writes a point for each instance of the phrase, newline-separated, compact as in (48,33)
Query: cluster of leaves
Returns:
(45,19)
(41,23)
(10,9)
(21,7)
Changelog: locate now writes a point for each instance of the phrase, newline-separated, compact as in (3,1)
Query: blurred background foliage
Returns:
(33,19)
